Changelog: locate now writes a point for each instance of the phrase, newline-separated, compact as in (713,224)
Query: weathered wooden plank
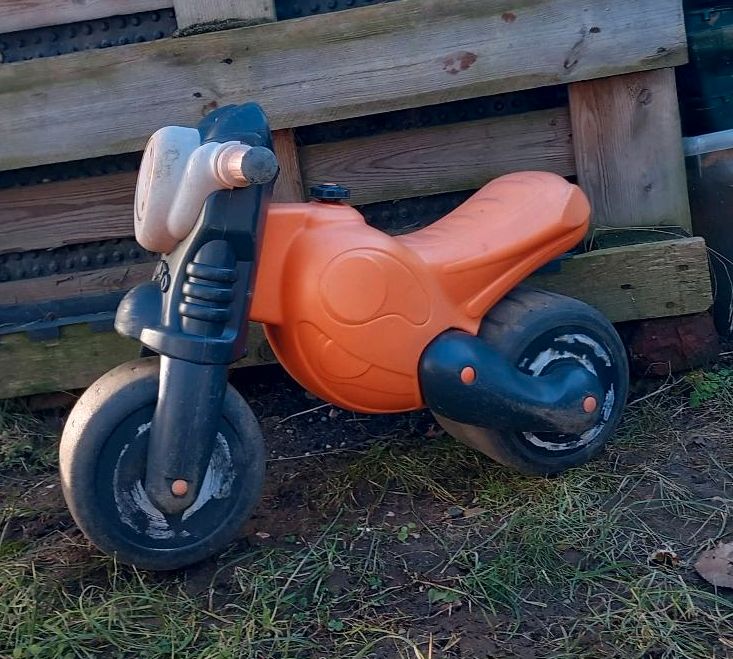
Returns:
(373,59)
(443,158)
(195,12)
(26,14)
(68,285)
(67,212)
(651,280)
(390,166)
(78,357)
(626,283)
(628,148)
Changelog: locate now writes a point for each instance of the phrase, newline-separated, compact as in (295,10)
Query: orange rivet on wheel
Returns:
(590,405)
(179,488)
(468,375)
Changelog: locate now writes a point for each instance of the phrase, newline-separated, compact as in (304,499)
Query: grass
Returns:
(25,442)
(412,548)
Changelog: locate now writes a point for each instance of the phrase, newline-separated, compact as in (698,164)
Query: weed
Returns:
(710,386)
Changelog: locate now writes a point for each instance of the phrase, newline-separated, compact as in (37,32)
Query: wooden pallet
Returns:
(619,135)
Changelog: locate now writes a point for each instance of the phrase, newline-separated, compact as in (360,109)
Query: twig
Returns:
(314,455)
(656,392)
(292,416)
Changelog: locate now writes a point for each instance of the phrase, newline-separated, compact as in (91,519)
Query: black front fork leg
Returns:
(183,431)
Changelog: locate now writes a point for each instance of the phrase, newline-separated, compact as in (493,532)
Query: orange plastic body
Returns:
(348,309)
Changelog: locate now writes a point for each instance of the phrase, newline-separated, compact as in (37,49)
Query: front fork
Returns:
(195,314)
(183,431)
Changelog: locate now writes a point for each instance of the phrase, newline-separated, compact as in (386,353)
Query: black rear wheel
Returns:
(539,331)
(102,461)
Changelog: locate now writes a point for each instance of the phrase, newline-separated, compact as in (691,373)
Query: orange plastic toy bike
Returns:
(161,460)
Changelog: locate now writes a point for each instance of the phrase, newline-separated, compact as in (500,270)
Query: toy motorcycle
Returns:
(162,460)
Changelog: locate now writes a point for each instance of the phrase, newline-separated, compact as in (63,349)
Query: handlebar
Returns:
(241,165)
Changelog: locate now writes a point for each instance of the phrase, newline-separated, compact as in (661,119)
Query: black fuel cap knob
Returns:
(329,192)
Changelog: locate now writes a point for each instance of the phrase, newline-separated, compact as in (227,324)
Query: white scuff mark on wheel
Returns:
(131,502)
(218,479)
(217,484)
(608,402)
(547,357)
(157,523)
(122,499)
(597,348)
(586,438)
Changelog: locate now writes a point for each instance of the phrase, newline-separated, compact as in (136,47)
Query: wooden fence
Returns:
(619,134)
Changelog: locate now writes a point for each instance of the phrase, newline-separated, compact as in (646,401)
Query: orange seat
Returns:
(505,219)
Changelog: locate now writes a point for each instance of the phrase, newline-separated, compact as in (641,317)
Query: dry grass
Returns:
(414,549)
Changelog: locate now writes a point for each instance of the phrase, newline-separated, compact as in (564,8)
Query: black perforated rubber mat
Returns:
(98,33)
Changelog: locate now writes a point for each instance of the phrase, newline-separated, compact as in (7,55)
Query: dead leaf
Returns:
(665,557)
(716,565)
(473,512)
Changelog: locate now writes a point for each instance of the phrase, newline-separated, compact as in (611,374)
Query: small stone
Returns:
(323,418)
(263,535)
(342,444)
(454,512)
(328,446)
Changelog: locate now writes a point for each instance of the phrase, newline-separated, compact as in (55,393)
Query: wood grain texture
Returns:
(322,68)
(27,14)
(628,148)
(289,184)
(67,285)
(51,215)
(443,158)
(389,166)
(194,12)
(79,356)
(652,280)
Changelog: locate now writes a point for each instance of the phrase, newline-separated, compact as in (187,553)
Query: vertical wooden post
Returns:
(289,184)
(194,12)
(628,148)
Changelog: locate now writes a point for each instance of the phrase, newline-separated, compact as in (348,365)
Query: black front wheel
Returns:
(538,332)
(102,461)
